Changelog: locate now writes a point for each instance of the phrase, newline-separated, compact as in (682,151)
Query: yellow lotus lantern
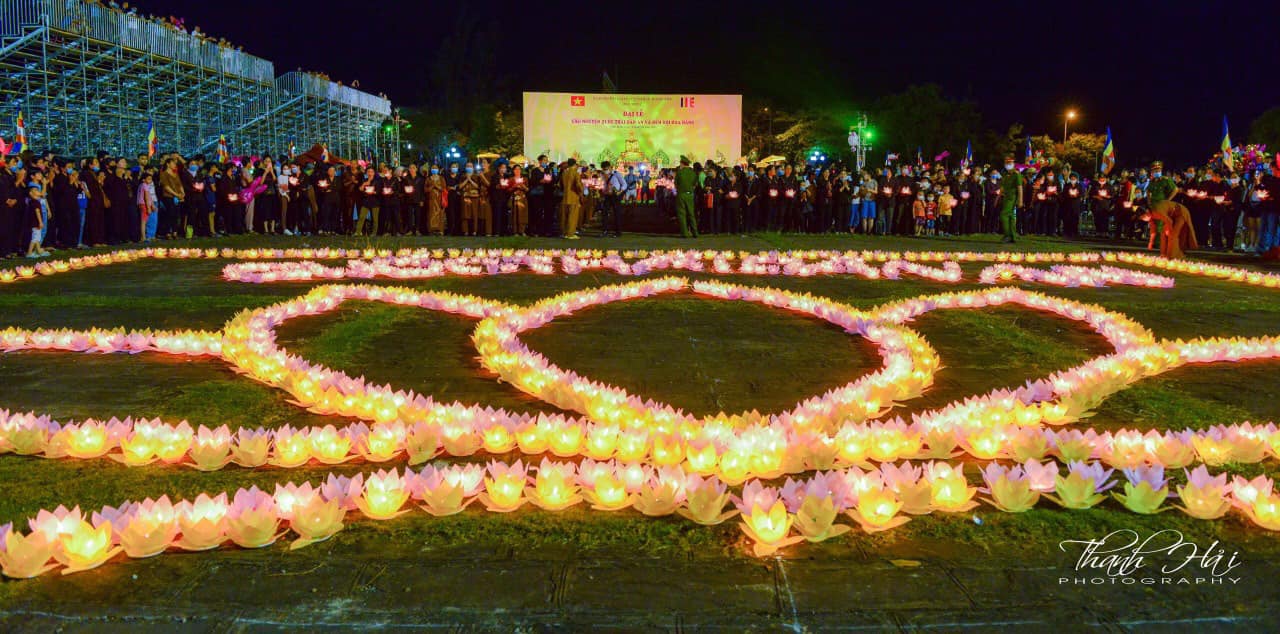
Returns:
(877,510)
(554,486)
(769,529)
(504,488)
(949,491)
(24,557)
(815,519)
(423,443)
(85,547)
(603,487)
(150,529)
(315,520)
(384,493)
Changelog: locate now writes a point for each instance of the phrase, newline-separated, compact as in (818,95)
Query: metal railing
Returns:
(114,26)
(301,83)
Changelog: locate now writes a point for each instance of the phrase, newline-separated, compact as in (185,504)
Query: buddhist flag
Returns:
(19,137)
(224,156)
(1029,160)
(153,142)
(324,156)
(968,154)
(919,156)
(1227,158)
(1108,154)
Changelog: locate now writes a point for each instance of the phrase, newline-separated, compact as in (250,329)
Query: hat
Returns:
(1008,157)
(684,159)
(1155,165)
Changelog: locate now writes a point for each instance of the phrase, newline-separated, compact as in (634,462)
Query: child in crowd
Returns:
(946,203)
(917,210)
(931,214)
(148,206)
(36,215)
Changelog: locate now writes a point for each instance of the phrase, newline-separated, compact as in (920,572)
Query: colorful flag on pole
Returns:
(224,155)
(890,158)
(19,137)
(1108,154)
(945,154)
(293,149)
(968,154)
(1227,158)
(153,142)
(1029,160)
(324,155)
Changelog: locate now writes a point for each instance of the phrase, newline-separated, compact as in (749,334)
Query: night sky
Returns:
(1161,74)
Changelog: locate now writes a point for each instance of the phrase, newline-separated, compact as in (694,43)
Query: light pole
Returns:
(1071,114)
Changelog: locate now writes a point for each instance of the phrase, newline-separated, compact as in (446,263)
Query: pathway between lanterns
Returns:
(363,579)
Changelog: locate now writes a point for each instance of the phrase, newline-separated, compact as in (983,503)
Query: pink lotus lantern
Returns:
(662,494)
(440,495)
(211,448)
(252,519)
(202,522)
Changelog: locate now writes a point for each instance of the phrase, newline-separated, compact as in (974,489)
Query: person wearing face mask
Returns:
(325,184)
(452,176)
(904,195)
(1214,191)
(1102,200)
(414,197)
(437,201)
(500,200)
(390,200)
(571,186)
(1071,205)
(370,202)
(1011,198)
(991,193)
(753,199)
(1169,220)
(469,190)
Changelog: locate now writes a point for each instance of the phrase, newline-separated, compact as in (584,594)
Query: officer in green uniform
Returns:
(1011,199)
(686,182)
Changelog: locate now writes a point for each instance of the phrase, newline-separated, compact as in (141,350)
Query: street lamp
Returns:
(1071,114)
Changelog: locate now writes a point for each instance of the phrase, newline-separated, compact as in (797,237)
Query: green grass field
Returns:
(698,354)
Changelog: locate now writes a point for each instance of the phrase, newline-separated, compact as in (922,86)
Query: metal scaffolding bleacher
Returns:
(88,77)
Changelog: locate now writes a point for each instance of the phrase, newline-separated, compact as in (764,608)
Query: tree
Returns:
(1265,129)
(922,117)
(508,132)
(1082,152)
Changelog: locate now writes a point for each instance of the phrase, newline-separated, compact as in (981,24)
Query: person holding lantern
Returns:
(1102,200)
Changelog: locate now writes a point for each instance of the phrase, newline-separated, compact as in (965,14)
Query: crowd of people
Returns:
(51,202)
